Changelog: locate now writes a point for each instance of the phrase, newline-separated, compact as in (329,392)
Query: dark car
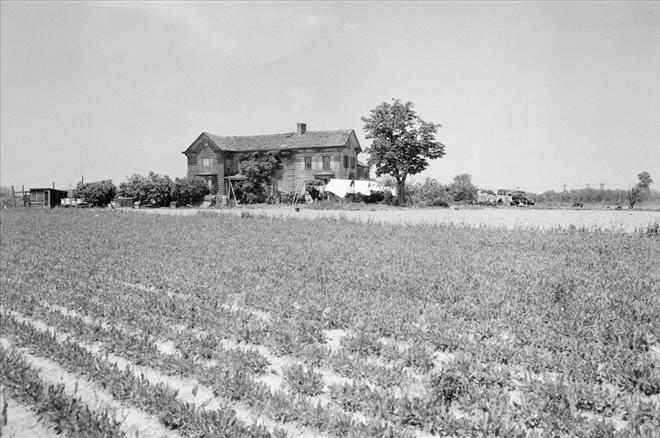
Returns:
(520,199)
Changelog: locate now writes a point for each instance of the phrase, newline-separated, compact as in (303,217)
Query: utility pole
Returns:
(13,195)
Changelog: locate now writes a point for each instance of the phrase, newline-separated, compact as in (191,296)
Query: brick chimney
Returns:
(301,128)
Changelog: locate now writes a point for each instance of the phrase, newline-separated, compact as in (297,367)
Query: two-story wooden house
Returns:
(304,156)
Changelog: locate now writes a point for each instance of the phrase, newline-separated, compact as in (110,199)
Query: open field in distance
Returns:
(510,218)
(228,326)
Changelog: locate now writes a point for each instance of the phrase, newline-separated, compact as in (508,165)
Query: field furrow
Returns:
(190,390)
(133,422)
(348,329)
(22,422)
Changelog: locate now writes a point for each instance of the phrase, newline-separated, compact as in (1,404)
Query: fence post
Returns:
(13,196)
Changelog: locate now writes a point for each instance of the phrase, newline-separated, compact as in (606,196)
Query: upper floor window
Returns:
(308,162)
(345,161)
(352,162)
(206,163)
(326,162)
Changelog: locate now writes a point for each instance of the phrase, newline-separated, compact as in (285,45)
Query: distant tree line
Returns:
(639,193)
(431,192)
(590,195)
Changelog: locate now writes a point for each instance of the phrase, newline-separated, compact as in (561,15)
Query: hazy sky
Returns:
(530,95)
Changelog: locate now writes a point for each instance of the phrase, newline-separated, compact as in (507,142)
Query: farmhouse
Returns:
(304,156)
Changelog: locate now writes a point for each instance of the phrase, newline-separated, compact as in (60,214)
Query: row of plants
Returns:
(302,381)
(385,379)
(579,305)
(126,386)
(421,356)
(65,413)
(233,382)
(205,344)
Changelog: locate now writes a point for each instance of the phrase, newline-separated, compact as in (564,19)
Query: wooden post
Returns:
(13,195)
(23,194)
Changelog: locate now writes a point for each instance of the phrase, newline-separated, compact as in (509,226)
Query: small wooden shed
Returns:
(46,197)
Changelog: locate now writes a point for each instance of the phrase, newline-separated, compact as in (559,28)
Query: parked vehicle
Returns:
(519,198)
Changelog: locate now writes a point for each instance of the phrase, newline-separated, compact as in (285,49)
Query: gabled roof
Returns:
(289,140)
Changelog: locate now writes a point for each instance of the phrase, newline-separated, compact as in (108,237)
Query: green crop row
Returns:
(125,386)
(65,413)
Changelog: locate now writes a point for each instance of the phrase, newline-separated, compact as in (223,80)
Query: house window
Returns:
(345,161)
(326,162)
(308,162)
(206,163)
(352,162)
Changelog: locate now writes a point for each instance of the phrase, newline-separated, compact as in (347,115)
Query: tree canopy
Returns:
(153,189)
(641,190)
(462,188)
(98,194)
(402,143)
(259,168)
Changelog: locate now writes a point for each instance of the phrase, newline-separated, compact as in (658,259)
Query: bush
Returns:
(430,192)
(354,197)
(98,194)
(439,202)
(189,190)
(152,190)
(373,198)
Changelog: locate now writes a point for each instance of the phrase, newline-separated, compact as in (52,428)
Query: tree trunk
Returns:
(401,187)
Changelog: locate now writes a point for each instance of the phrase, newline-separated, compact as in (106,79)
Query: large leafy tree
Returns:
(259,168)
(402,143)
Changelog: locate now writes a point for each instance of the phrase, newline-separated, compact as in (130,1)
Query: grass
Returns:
(546,330)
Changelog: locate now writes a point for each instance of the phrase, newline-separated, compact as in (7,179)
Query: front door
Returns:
(210,181)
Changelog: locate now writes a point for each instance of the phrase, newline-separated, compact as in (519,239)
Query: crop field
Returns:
(133,325)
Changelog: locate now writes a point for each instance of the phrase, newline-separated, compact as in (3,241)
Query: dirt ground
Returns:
(23,423)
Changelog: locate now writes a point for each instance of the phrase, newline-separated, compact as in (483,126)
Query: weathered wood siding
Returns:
(295,173)
(343,164)
(215,170)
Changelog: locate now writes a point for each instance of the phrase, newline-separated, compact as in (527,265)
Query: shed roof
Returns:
(45,189)
(288,140)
